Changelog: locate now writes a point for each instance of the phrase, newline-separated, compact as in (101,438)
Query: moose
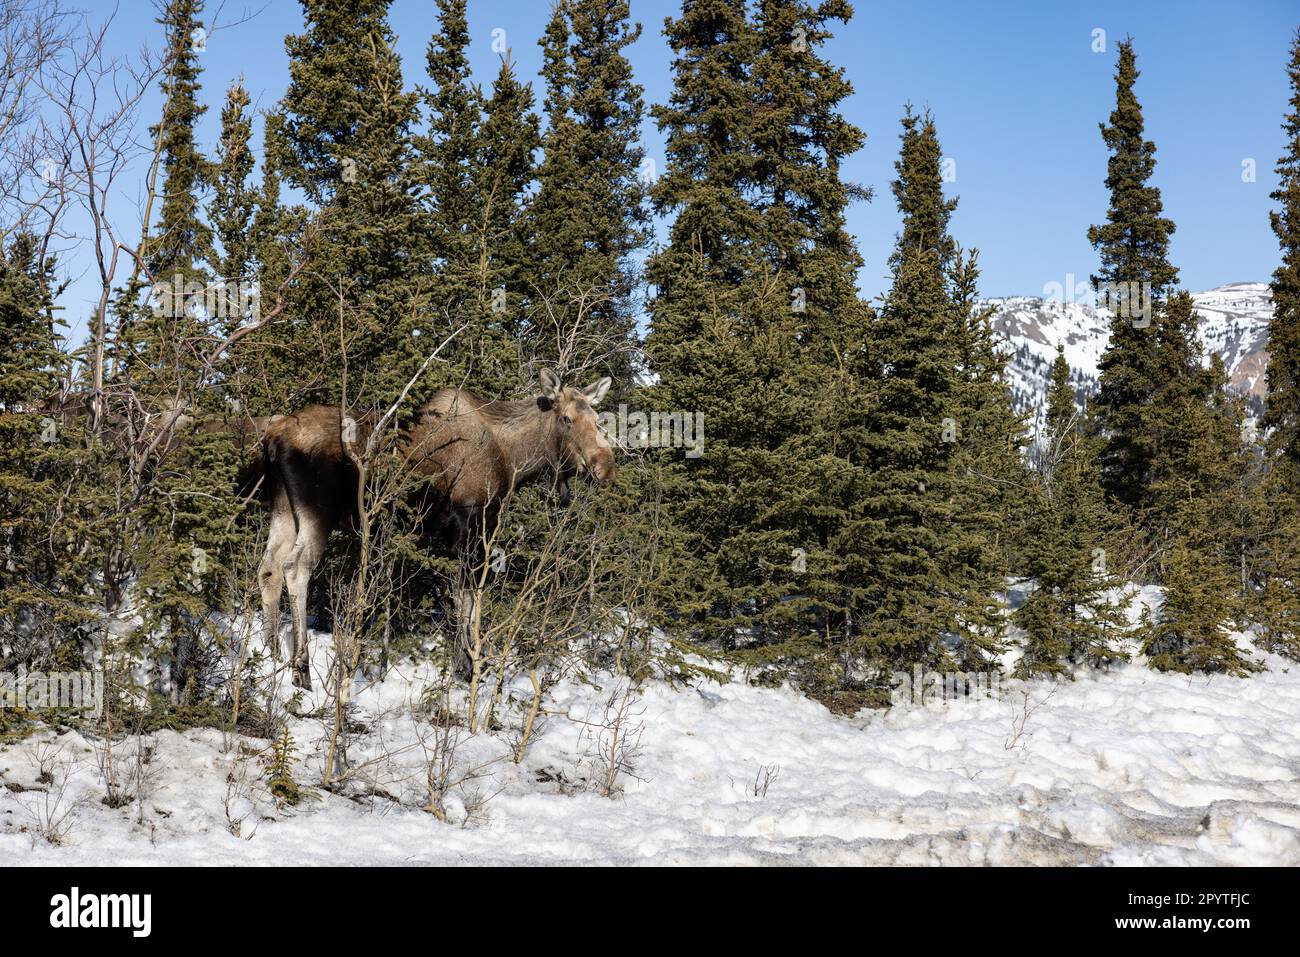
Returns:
(471,453)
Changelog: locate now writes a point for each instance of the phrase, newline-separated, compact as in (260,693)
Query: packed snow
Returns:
(1123,767)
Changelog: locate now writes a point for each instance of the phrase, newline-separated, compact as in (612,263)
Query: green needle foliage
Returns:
(1068,617)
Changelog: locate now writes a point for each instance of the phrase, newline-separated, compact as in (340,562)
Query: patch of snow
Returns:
(1127,766)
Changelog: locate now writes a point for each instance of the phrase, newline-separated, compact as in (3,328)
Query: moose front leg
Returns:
(465,603)
(476,531)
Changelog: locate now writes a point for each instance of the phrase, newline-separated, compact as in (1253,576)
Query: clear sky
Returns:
(1015,87)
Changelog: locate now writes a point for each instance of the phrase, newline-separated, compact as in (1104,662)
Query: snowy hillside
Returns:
(1233,323)
(1126,767)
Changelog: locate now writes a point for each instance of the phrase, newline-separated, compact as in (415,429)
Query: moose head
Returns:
(580,445)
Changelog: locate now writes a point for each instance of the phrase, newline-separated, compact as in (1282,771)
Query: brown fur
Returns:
(474,452)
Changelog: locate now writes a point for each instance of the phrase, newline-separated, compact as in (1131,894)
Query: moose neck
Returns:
(529,442)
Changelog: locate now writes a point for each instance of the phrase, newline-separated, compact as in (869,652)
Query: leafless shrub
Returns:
(613,741)
(763,778)
(50,806)
(362,600)
(441,733)
(144,773)
(241,778)
(1019,736)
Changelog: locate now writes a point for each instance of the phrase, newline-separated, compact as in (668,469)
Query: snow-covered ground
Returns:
(1125,767)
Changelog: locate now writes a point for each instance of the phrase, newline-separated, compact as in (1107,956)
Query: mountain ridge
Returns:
(1233,321)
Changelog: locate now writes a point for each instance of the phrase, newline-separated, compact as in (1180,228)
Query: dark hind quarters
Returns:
(321,485)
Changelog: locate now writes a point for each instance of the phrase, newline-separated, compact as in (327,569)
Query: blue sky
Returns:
(1016,90)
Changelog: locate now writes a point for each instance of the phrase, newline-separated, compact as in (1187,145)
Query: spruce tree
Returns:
(1133,247)
(756,324)
(499,283)
(234,203)
(695,281)
(1172,460)
(1282,408)
(47,510)
(479,161)
(924,593)
(707,123)
(169,546)
(990,436)
(1273,599)
(160,341)
(447,151)
(1191,632)
(265,371)
(1202,599)
(1067,617)
(1277,598)
(801,139)
(342,134)
(455,107)
(906,505)
(589,216)
(182,240)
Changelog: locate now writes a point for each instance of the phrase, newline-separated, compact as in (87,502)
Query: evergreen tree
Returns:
(160,345)
(693,346)
(990,436)
(455,108)
(1282,409)
(170,536)
(1202,598)
(342,135)
(1191,632)
(1067,617)
(265,371)
(1273,569)
(1133,246)
(707,123)
(801,139)
(479,156)
(589,216)
(1173,456)
(924,596)
(182,240)
(234,203)
(500,253)
(1277,600)
(756,324)
(46,510)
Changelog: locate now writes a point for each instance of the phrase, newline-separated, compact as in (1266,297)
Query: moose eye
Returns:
(566,420)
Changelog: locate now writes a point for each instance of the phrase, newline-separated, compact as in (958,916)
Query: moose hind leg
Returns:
(306,552)
(270,573)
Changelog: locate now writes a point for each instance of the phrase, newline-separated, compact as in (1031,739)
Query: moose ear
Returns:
(596,391)
(550,384)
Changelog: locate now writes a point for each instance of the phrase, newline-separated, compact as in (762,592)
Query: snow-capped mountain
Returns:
(1233,323)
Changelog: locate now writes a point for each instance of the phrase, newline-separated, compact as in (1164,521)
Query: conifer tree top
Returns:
(919,192)
(1134,241)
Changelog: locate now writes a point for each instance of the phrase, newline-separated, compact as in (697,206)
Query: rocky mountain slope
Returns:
(1233,323)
